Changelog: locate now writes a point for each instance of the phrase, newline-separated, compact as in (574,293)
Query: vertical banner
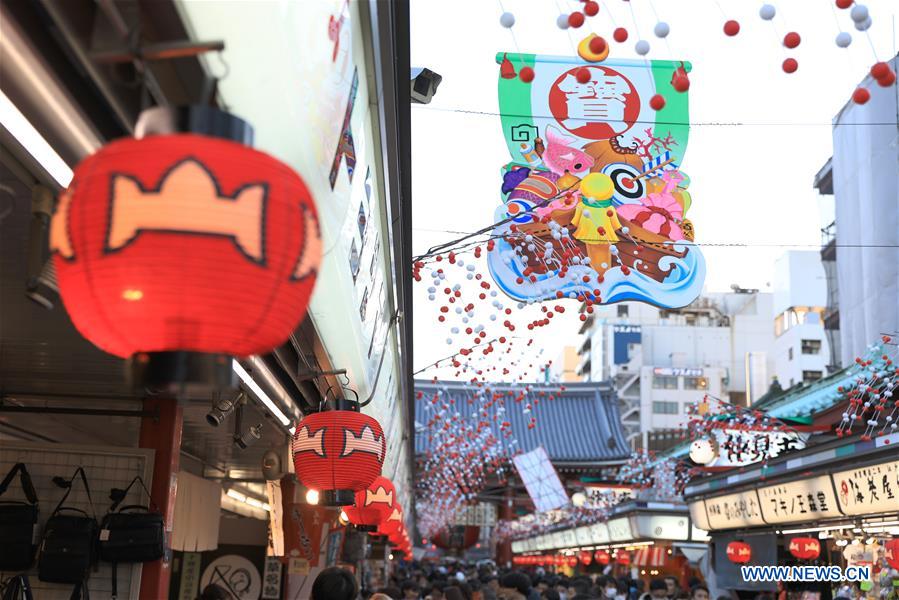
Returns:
(624,233)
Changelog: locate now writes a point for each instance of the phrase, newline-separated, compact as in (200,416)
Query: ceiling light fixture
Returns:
(33,142)
(259,392)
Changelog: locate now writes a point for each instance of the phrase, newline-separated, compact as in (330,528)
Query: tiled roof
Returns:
(579,425)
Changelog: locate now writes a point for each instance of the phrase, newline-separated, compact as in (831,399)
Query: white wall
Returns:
(866,192)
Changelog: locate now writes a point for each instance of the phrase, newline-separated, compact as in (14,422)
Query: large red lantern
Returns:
(393,522)
(602,557)
(185,243)
(459,537)
(805,548)
(338,453)
(891,552)
(585,557)
(739,552)
(623,558)
(372,505)
(571,561)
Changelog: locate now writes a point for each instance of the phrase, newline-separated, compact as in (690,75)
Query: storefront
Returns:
(836,503)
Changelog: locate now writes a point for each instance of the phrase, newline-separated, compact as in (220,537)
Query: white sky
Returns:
(758,136)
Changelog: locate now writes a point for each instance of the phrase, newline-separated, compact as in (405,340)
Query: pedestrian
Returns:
(334,583)
(701,592)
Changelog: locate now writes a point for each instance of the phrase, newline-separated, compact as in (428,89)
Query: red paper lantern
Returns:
(338,453)
(739,552)
(185,243)
(623,558)
(393,522)
(585,557)
(571,561)
(805,548)
(602,557)
(459,537)
(372,505)
(891,552)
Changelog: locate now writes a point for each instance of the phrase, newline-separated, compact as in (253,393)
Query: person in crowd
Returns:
(514,586)
(579,586)
(436,591)
(214,592)
(562,588)
(550,594)
(410,590)
(392,592)
(452,592)
(658,590)
(701,592)
(334,583)
(379,596)
(673,586)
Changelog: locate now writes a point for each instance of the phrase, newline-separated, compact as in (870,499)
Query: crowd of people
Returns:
(429,582)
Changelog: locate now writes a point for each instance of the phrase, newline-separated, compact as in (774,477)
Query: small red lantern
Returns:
(805,548)
(372,506)
(623,558)
(158,240)
(585,557)
(891,552)
(393,522)
(571,561)
(602,557)
(338,453)
(739,552)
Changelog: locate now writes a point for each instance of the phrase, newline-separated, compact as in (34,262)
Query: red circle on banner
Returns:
(607,91)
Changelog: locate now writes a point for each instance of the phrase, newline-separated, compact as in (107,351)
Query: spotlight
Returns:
(224,407)
(424,84)
(343,518)
(249,437)
(312,497)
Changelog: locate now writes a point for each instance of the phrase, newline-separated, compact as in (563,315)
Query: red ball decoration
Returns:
(790,65)
(526,74)
(372,505)
(338,453)
(583,75)
(576,19)
(620,35)
(657,102)
(739,552)
(880,70)
(157,240)
(597,45)
(844,3)
(731,28)
(887,81)
(792,39)
(591,8)
(679,80)
(861,95)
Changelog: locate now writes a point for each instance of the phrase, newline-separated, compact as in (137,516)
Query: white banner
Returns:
(868,490)
(734,510)
(798,501)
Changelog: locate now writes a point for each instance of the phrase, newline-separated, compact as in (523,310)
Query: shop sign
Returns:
(677,371)
(557,540)
(738,448)
(734,510)
(518,547)
(582,536)
(569,539)
(601,496)
(868,490)
(620,530)
(698,535)
(698,516)
(661,527)
(797,501)
(599,533)
(482,514)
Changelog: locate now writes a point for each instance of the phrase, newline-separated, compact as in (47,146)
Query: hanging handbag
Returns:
(133,534)
(68,548)
(18,524)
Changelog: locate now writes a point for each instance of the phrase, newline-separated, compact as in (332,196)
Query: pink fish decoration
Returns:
(560,157)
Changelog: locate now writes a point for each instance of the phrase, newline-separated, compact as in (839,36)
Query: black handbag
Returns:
(131,537)
(18,524)
(68,548)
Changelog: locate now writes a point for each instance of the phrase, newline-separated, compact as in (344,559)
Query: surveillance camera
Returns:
(424,85)
(221,409)
(249,437)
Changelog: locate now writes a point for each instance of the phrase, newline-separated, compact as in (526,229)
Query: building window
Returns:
(811,346)
(790,353)
(696,383)
(664,382)
(811,376)
(622,310)
(664,408)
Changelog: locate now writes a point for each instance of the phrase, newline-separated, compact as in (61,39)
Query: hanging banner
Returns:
(541,480)
(799,501)
(594,203)
(868,490)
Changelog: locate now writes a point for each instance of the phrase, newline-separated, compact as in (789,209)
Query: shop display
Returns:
(18,522)
(69,544)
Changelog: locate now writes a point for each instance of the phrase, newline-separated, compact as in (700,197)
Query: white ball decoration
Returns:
(864,25)
(507,20)
(562,21)
(767,11)
(703,451)
(578,499)
(662,29)
(859,13)
(843,39)
(642,47)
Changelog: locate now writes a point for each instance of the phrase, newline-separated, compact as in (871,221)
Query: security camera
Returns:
(424,85)
(224,407)
(249,437)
